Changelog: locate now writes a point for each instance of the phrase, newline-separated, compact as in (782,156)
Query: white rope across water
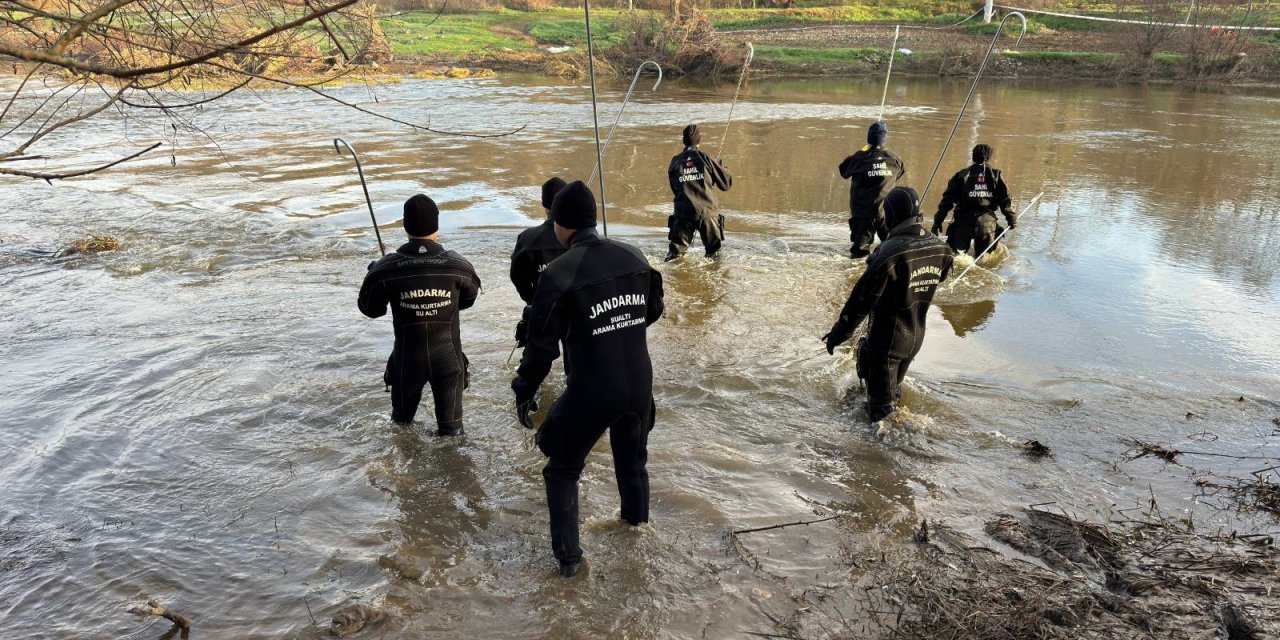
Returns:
(1147,23)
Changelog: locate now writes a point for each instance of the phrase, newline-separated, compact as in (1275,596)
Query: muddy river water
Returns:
(199,418)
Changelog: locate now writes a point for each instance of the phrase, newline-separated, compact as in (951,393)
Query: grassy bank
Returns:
(1054,46)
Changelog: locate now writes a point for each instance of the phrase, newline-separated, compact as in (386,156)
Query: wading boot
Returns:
(671,255)
(569,569)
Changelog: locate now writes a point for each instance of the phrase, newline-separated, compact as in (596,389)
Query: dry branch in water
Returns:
(154,608)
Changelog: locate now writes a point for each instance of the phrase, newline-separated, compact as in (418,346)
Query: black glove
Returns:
(526,403)
(834,339)
(371,263)
(1013,223)
(522,332)
(937,229)
(524,413)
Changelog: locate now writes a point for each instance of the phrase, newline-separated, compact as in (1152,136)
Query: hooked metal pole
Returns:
(365,187)
(625,100)
(595,117)
(969,97)
(892,50)
(751,54)
(994,243)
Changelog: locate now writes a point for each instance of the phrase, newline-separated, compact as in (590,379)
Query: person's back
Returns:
(694,178)
(598,299)
(873,172)
(975,193)
(895,291)
(536,247)
(426,286)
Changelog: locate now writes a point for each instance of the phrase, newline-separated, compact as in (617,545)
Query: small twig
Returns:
(154,608)
(789,524)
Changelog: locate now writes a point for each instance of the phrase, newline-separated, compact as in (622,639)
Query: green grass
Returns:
(801,56)
(460,35)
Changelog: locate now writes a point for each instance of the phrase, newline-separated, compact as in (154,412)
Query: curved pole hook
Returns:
(365,187)
(973,88)
(604,151)
(751,54)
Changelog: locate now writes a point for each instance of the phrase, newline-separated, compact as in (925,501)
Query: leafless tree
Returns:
(73,60)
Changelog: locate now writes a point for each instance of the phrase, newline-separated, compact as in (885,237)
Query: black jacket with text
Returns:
(973,192)
(598,298)
(426,286)
(896,290)
(874,172)
(694,176)
(536,247)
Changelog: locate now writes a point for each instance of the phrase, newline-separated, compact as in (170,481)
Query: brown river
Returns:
(199,417)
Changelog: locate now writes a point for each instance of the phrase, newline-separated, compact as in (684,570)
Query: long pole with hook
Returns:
(892,50)
(625,100)
(1034,201)
(742,75)
(595,117)
(365,187)
(973,88)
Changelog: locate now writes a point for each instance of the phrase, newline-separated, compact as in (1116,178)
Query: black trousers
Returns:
(407,383)
(883,374)
(681,227)
(863,231)
(980,231)
(567,441)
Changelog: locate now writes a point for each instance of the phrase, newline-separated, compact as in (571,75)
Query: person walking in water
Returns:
(976,193)
(895,291)
(694,176)
(536,247)
(873,171)
(426,286)
(599,299)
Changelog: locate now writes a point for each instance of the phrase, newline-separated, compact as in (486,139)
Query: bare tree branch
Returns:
(48,177)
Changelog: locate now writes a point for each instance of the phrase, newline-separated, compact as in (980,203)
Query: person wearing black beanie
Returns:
(535,248)
(902,275)
(598,300)
(873,171)
(694,176)
(976,193)
(426,287)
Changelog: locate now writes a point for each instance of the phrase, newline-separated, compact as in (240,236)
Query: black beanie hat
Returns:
(983,153)
(692,135)
(877,133)
(549,190)
(574,207)
(902,204)
(421,217)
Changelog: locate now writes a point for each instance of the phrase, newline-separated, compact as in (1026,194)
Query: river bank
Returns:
(809,42)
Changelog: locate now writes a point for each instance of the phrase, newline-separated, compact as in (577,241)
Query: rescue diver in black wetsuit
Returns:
(536,247)
(873,172)
(598,298)
(976,193)
(901,277)
(694,176)
(426,287)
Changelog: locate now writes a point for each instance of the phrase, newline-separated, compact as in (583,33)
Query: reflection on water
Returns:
(199,416)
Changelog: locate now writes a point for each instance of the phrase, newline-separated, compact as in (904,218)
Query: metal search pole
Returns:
(892,50)
(625,100)
(1030,206)
(751,54)
(595,117)
(365,187)
(969,97)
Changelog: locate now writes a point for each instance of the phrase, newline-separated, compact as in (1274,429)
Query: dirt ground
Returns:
(880,36)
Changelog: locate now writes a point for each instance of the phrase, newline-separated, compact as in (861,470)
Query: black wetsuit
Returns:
(426,287)
(598,298)
(976,193)
(901,277)
(873,172)
(536,247)
(694,176)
